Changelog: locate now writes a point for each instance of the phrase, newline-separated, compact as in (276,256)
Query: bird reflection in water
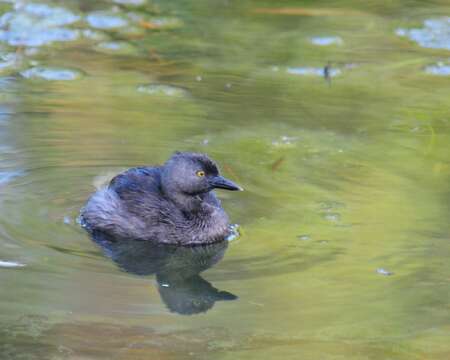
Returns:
(177,270)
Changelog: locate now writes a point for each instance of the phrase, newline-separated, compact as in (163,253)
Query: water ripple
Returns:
(105,20)
(161,89)
(440,68)
(10,264)
(326,40)
(37,25)
(50,73)
(8,176)
(435,34)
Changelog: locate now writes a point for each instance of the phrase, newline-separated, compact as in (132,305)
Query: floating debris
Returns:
(36,25)
(67,220)
(277,163)
(106,20)
(441,68)
(47,73)
(11,264)
(435,33)
(384,272)
(161,89)
(326,40)
(304,237)
(313,71)
(327,72)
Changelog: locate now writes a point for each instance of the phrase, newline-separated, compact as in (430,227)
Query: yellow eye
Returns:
(200,173)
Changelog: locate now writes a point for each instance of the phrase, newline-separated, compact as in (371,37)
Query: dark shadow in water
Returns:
(177,270)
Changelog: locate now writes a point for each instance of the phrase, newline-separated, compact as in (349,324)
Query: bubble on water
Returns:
(106,20)
(441,68)
(67,220)
(49,73)
(161,89)
(198,78)
(435,33)
(326,40)
(313,71)
(11,264)
(304,237)
(285,141)
(384,272)
(36,25)
(332,217)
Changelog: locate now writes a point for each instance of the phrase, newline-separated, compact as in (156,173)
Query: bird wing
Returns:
(140,192)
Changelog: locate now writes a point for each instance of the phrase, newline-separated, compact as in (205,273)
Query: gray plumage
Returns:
(173,203)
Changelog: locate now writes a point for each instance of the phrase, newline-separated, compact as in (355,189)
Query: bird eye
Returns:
(200,173)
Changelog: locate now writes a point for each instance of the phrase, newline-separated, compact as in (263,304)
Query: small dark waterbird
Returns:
(172,204)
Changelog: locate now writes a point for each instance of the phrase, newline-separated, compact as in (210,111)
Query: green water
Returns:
(347,179)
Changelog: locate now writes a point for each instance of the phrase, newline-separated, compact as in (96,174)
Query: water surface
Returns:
(342,146)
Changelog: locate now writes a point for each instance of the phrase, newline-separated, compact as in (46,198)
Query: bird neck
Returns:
(188,204)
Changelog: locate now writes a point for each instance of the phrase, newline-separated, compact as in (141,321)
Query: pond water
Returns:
(333,115)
